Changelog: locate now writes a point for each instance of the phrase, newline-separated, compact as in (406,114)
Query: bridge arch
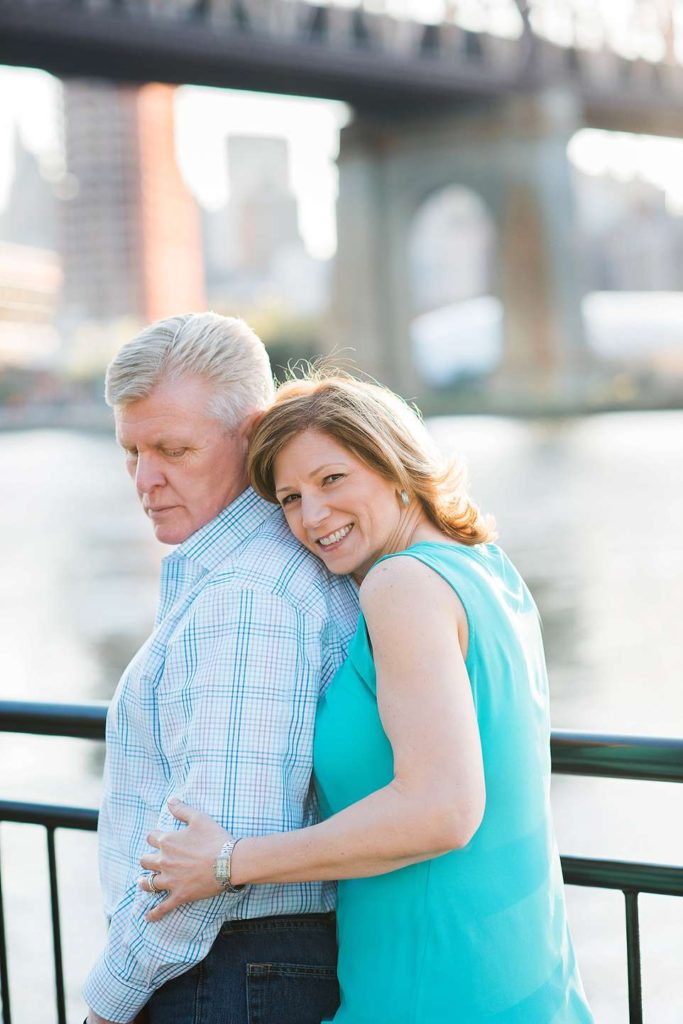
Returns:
(522,179)
(456,327)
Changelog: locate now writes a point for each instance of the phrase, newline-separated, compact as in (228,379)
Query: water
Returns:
(591,510)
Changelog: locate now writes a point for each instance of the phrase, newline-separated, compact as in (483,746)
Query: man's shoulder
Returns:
(271,561)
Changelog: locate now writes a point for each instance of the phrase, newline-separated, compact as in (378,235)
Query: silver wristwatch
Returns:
(222,865)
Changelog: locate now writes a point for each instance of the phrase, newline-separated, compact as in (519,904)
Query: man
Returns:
(218,706)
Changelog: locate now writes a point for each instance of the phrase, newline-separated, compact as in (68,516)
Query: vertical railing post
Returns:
(635,990)
(4,974)
(56,932)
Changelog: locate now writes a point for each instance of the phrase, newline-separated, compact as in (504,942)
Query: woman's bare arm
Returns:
(435,801)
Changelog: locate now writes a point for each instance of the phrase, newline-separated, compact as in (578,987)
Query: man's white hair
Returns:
(220,349)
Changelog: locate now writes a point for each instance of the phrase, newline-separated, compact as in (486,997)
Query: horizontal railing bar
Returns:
(649,758)
(628,876)
(604,874)
(83,721)
(48,815)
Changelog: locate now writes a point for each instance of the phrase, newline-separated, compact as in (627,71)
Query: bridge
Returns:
(436,104)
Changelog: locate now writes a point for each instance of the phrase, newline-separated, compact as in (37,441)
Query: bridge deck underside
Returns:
(130,47)
(443,67)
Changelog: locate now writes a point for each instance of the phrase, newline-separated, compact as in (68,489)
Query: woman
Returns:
(431,751)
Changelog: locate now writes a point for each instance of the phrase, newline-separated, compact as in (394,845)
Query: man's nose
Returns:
(148,473)
(314,511)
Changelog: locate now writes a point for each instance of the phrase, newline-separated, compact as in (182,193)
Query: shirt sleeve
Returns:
(235,730)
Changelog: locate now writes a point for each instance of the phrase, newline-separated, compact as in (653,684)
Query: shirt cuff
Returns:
(108,994)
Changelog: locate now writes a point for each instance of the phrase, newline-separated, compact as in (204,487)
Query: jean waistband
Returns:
(280,921)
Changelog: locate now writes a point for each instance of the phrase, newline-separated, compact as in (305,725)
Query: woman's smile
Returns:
(332,540)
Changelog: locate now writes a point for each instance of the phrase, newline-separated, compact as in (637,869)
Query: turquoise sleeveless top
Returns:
(480,934)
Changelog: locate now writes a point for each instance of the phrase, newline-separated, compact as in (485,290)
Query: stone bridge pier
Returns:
(513,154)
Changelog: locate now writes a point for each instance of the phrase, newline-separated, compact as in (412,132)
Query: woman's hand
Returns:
(184,866)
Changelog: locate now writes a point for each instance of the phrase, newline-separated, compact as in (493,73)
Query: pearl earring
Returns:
(405,498)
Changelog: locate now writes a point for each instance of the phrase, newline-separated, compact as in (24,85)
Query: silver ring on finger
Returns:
(150,882)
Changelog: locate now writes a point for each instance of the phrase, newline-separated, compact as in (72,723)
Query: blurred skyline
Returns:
(31,102)
(647,29)
(129,203)
(629,191)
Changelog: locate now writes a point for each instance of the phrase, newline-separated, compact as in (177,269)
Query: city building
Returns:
(131,236)
(30,214)
(254,253)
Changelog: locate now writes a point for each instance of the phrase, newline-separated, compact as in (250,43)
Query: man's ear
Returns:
(248,424)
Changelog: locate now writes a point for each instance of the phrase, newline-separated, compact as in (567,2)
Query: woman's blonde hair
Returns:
(382,431)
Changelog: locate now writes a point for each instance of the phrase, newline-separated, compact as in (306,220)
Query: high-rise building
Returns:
(172,262)
(631,240)
(253,248)
(264,209)
(30,213)
(258,164)
(131,235)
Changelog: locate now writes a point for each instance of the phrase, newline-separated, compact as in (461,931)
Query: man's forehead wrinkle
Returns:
(170,416)
(150,427)
(160,440)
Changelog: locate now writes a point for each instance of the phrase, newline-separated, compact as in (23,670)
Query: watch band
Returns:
(223,864)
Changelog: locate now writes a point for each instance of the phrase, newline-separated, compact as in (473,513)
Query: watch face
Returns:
(220,870)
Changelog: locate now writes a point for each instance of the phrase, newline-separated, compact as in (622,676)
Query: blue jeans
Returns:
(271,970)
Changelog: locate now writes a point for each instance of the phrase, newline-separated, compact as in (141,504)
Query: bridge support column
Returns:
(371,308)
(512,153)
(540,276)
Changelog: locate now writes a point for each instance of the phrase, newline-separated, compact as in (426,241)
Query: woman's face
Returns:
(342,511)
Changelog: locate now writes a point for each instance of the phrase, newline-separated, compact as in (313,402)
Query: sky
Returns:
(30,99)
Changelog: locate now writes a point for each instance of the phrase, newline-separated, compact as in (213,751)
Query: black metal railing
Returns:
(622,757)
(591,754)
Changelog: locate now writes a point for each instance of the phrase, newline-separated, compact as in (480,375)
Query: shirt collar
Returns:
(218,538)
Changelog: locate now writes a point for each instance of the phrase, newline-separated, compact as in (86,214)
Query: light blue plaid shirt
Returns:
(218,708)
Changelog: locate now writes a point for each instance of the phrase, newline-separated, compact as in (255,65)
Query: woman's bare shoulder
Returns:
(403,583)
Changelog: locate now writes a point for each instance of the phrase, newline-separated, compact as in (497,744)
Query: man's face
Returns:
(186,466)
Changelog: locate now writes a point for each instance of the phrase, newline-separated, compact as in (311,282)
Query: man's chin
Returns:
(165,533)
